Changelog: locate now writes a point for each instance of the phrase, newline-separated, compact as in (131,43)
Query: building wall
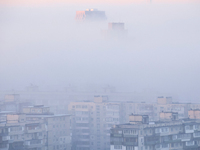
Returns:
(91,123)
(162,136)
(59,136)
(26,135)
(194,114)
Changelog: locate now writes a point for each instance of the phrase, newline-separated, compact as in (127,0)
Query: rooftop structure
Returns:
(90,14)
(164,100)
(168,116)
(194,114)
(135,119)
(11,97)
(36,109)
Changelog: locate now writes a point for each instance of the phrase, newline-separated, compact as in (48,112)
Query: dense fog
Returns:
(45,46)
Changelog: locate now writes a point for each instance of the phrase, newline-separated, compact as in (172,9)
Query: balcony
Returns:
(16,132)
(5,138)
(116,135)
(33,143)
(190,147)
(151,140)
(116,143)
(4,133)
(130,135)
(4,146)
(130,143)
(33,130)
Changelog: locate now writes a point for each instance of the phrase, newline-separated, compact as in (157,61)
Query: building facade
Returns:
(34,129)
(19,134)
(91,123)
(58,133)
(168,134)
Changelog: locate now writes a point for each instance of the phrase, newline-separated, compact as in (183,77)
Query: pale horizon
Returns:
(50,2)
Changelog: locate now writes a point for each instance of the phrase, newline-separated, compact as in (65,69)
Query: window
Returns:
(130,132)
(78,118)
(84,106)
(157,130)
(164,130)
(174,137)
(116,139)
(78,106)
(115,119)
(176,144)
(164,145)
(85,112)
(85,119)
(189,127)
(189,143)
(158,146)
(117,147)
(197,134)
(196,126)
(172,145)
(185,136)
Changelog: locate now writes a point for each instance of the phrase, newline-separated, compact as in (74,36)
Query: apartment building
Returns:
(170,133)
(4,138)
(139,108)
(36,128)
(58,135)
(91,123)
(19,134)
(11,102)
(92,119)
(163,104)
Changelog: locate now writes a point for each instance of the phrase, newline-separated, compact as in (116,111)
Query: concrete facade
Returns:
(161,135)
(91,123)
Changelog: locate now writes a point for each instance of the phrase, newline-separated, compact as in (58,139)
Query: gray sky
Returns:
(44,45)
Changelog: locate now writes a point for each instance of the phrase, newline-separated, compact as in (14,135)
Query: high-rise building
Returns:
(91,123)
(115,30)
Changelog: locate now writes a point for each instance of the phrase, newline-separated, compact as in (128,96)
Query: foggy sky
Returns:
(44,45)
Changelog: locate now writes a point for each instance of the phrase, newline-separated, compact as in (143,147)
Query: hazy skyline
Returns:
(44,45)
(45,2)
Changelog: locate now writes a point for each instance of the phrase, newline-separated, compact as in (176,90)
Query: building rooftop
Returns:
(37,106)
(6,112)
(157,124)
(48,116)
